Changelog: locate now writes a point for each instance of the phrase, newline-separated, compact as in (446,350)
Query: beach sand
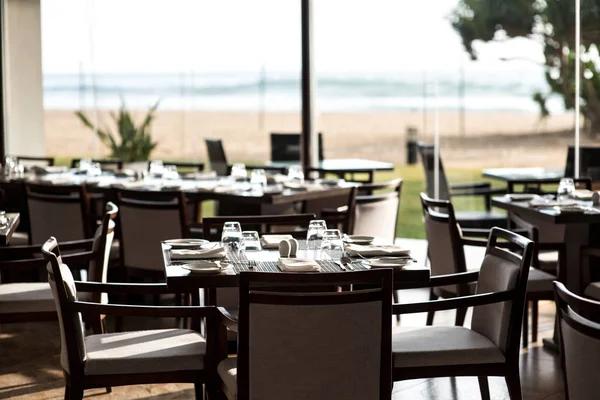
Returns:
(490,139)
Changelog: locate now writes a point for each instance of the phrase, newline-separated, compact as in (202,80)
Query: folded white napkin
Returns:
(272,241)
(196,254)
(298,265)
(376,250)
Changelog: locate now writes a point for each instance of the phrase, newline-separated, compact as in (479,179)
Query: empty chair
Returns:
(377,214)
(58,210)
(589,161)
(107,164)
(293,224)
(491,346)
(468,219)
(579,324)
(286,147)
(31,161)
(146,219)
(126,358)
(318,350)
(337,211)
(216,156)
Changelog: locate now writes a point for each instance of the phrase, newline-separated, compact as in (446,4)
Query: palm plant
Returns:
(130,142)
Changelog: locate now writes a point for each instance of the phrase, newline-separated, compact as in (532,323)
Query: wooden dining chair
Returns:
(145,219)
(491,346)
(107,164)
(307,345)
(217,157)
(29,300)
(126,358)
(467,219)
(337,211)
(30,161)
(579,324)
(61,210)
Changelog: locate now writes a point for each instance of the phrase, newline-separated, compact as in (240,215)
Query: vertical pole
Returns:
(2,109)
(577,81)
(436,141)
(308,153)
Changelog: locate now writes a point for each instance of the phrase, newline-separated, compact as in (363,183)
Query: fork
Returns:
(347,262)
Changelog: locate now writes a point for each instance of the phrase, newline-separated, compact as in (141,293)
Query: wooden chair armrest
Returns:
(452,279)
(228,320)
(454,303)
(122,288)
(144,311)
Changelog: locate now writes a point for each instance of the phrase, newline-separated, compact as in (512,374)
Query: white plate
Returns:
(388,262)
(521,196)
(356,239)
(186,243)
(206,267)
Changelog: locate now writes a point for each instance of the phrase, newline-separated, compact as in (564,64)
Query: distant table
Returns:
(341,166)
(515,176)
(6,233)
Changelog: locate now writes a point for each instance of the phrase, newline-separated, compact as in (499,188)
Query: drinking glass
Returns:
(238,172)
(85,164)
(170,172)
(296,174)
(258,177)
(157,169)
(94,169)
(316,228)
(332,239)
(232,233)
(566,188)
(250,241)
(3,219)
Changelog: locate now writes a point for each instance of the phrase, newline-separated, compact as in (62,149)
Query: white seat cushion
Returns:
(442,345)
(161,350)
(539,281)
(26,297)
(593,290)
(548,257)
(227,370)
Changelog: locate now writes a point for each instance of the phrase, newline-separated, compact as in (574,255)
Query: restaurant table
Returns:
(514,176)
(341,166)
(180,279)
(7,231)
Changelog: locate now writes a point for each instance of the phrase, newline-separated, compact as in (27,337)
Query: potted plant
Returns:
(130,143)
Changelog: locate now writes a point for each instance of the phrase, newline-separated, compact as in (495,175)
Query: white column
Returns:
(23,78)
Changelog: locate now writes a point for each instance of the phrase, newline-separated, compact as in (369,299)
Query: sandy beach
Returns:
(490,139)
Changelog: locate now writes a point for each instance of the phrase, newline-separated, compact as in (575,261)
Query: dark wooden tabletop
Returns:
(341,164)
(525,174)
(179,278)
(7,231)
(549,214)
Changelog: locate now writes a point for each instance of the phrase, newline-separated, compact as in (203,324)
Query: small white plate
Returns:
(357,239)
(388,262)
(521,196)
(206,267)
(186,243)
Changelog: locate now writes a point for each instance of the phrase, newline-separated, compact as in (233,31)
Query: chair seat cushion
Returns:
(442,345)
(26,297)
(593,290)
(539,281)
(227,370)
(161,350)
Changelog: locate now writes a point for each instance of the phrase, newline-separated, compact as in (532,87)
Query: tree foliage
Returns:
(130,142)
(551,22)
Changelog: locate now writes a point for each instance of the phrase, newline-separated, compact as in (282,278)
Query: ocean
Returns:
(389,92)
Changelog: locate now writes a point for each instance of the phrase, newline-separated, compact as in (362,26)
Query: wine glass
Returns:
(296,174)
(566,189)
(250,241)
(85,164)
(94,169)
(170,172)
(232,233)
(332,239)
(316,228)
(3,219)
(156,169)
(238,172)
(258,177)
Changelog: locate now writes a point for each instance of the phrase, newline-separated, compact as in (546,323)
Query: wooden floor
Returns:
(30,369)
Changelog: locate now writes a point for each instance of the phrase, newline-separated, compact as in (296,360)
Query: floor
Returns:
(29,365)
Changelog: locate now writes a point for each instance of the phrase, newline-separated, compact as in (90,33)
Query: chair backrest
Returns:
(376,214)
(102,243)
(107,164)
(318,347)
(579,325)
(294,224)
(446,252)
(503,270)
(146,219)
(535,186)
(589,157)
(345,201)
(427,153)
(216,156)
(72,344)
(62,211)
(30,161)
(286,146)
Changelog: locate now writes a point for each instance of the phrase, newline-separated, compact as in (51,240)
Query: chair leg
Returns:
(534,321)
(67,392)
(396,299)
(74,393)
(513,382)
(108,389)
(431,314)
(484,387)
(199,390)
(526,325)
(461,314)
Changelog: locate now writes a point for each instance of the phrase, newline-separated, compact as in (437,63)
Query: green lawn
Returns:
(410,224)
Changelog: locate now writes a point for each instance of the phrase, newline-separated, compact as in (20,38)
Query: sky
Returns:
(208,36)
